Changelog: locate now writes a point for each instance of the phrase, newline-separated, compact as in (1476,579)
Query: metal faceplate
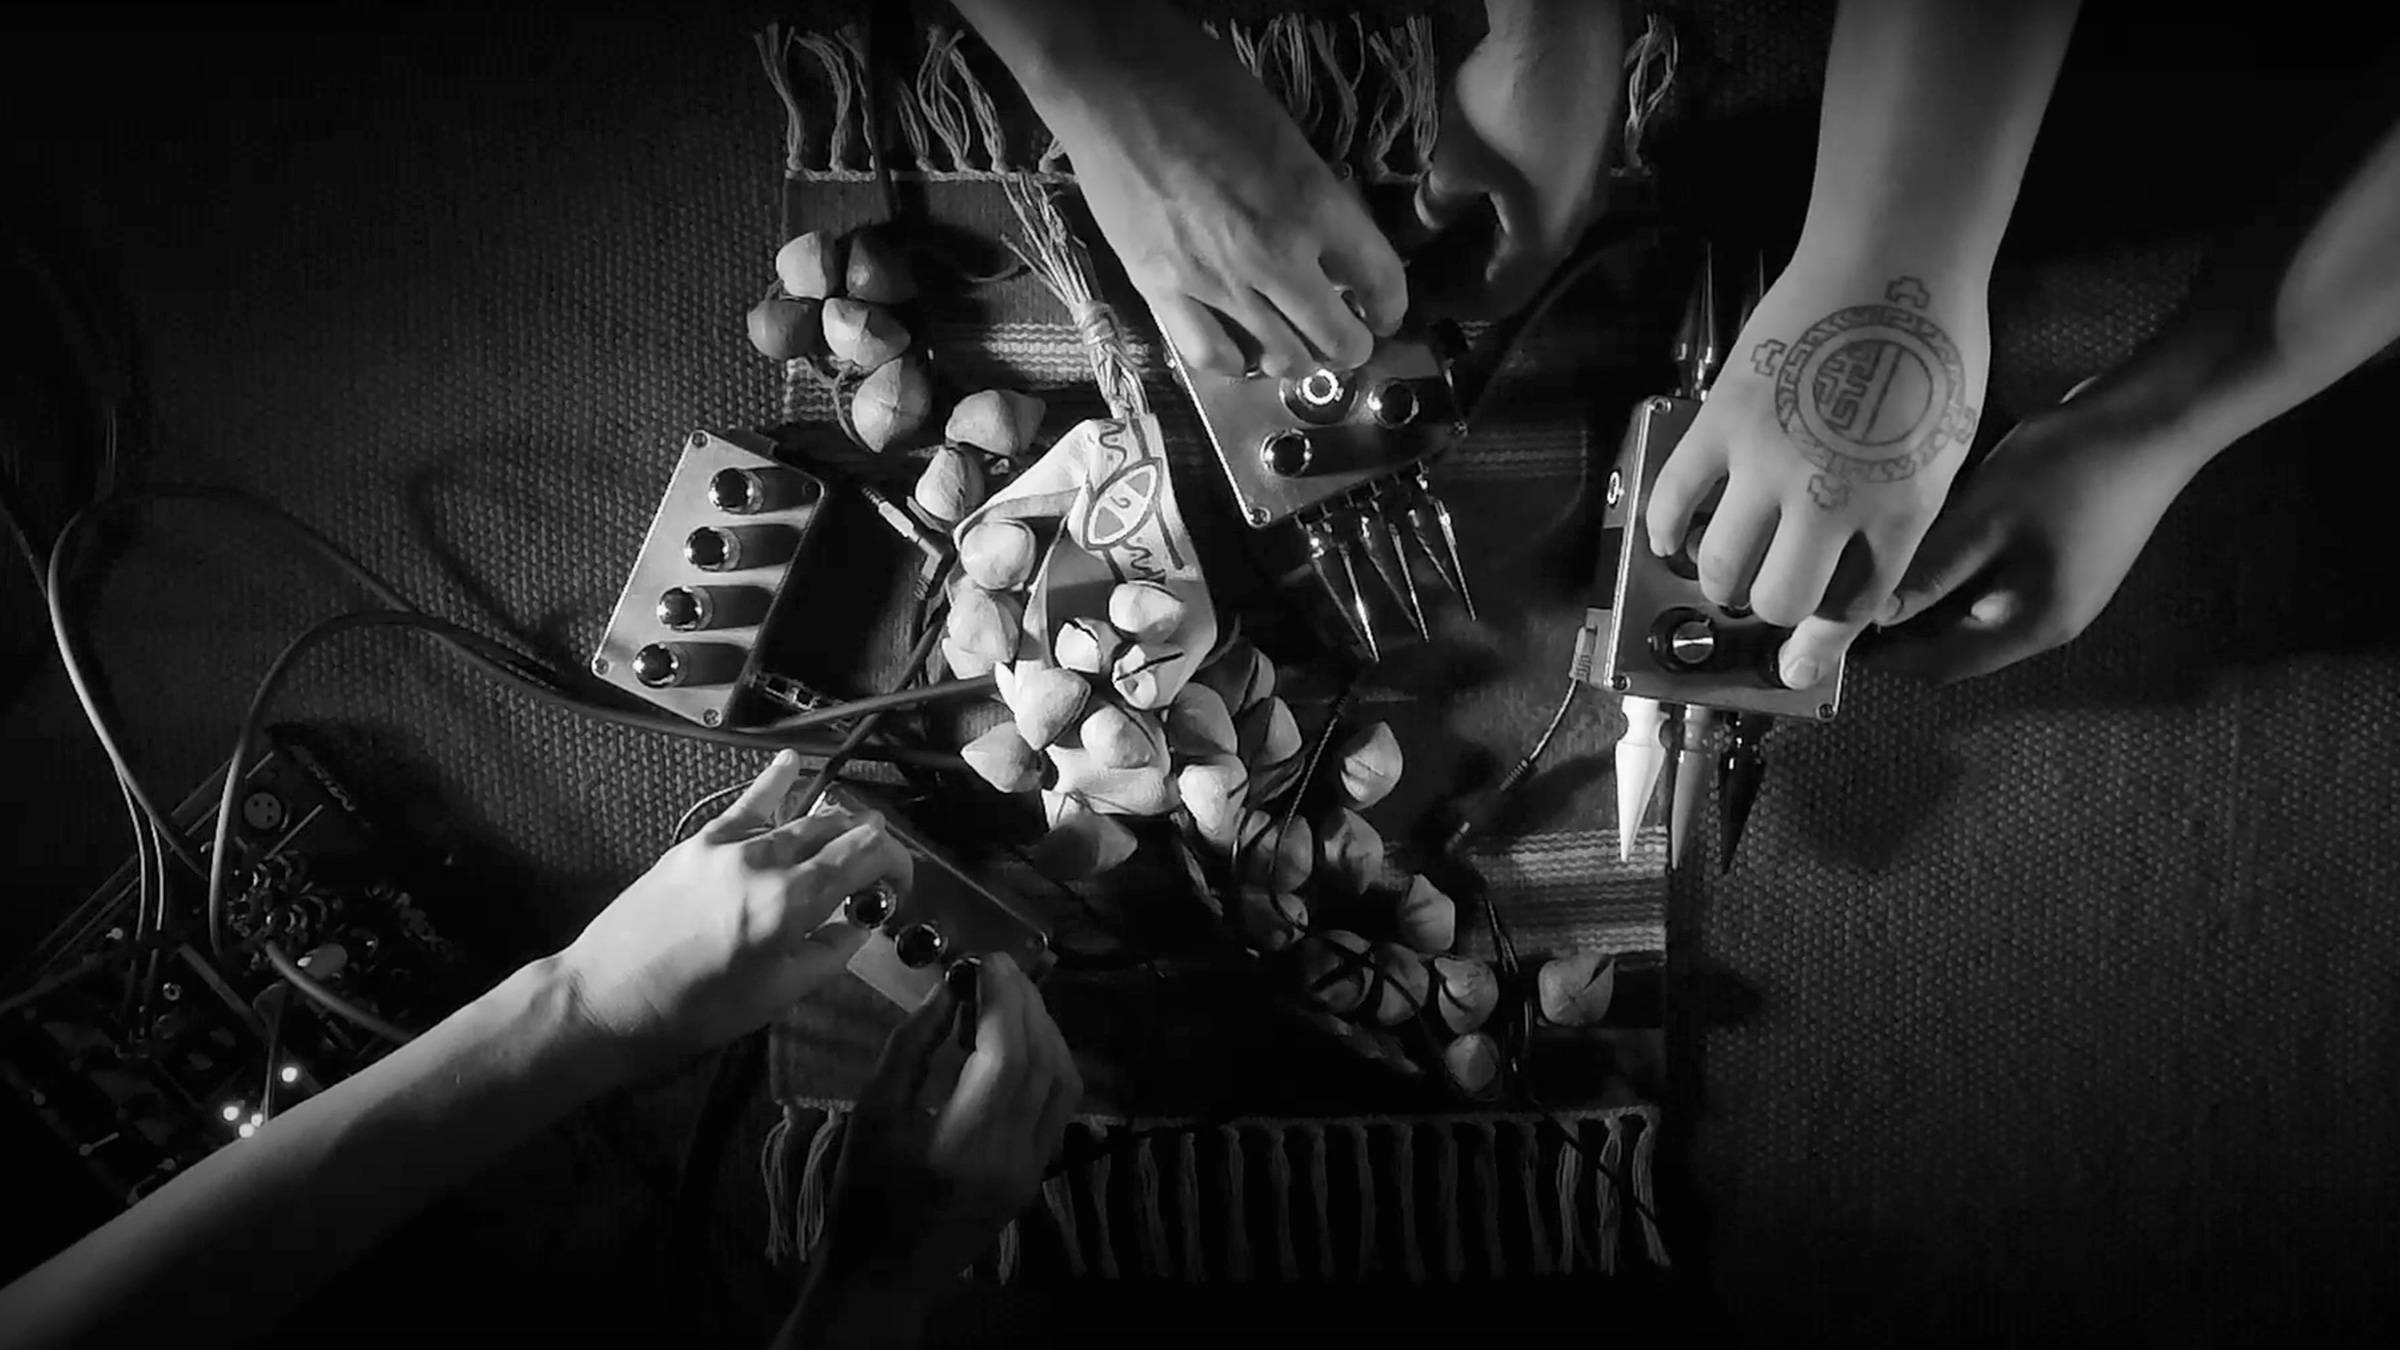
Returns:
(972,918)
(1666,640)
(1347,445)
(731,651)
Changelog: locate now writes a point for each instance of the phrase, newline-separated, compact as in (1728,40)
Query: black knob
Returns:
(683,609)
(1686,560)
(1320,397)
(711,549)
(745,492)
(1684,639)
(731,548)
(674,665)
(1392,404)
(870,907)
(1287,453)
(919,945)
(656,666)
(687,609)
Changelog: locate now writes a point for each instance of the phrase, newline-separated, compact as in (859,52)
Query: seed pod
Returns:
(1083,844)
(998,555)
(996,421)
(1427,921)
(1046,701)
(1273,856)
(860,335)
(1140,674)
(810,265)
(1088,645)
(1336,970)
(1269,922)
(1349,851)
(1198,726)
(878,270)
(1574,991)
(890,404)
(1267,734)
(1212,791)
(1401,983)
(982,631)
(1370,766)
(1110,737)
(950,489)
(1473,1063)
(1003,759)
(1465,992)
(1240,676)
(1145,611)
(786,329)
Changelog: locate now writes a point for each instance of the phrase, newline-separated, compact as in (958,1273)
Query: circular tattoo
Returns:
(1870,394)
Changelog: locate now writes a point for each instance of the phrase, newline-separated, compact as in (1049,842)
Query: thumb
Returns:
(907,1058)
(1995,633)
(1954,552)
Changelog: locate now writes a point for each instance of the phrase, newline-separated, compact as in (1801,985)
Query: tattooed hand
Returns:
(1825,450)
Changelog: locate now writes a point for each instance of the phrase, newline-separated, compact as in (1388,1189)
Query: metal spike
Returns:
(1740,770)
(1641,755)
(1362,616)
(1692,757)
(1710,356)
(1381,544)
(1332,567)
(1430,520)
(1754,290)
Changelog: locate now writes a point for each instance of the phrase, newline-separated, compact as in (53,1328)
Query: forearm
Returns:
(218,1253)
(1930,112)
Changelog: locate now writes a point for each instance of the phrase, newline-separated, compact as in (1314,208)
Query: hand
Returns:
(1527,127)
(2035,544)
(1233,230)
(1826,448)
(921,1192)
(734,924)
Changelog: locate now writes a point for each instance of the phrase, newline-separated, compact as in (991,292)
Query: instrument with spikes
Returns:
(1689,670)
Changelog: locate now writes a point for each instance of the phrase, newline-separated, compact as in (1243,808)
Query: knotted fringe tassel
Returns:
(1237,1220)
(1570,1172)
(1530,1157)
(1008,1254)
(1279,1180)
(774,52)
(1154,1216)
(787,1234)
(1612,1158)
(1320,1188)
(1059,1197)
(1107,1244)
(1447,1210)
(1366,1202)
(1412,1260)
(1187,1199)
(1645,1149)
(775,1173)
(1650,72)
(816,1184)
(1487,1183)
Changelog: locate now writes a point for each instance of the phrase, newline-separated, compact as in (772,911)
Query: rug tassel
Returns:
(849,46)
(1341,84)
(1650,65)
(1424,93)
(1487,1181)
(1059,1196)
(1153,1209)
(1010,1244)
(840,135)
(986,112)
(816,1184)
(774,53)
(1570,1165)
(775,1173)
(1366,1203)
(1529,1172)
(945,107)
(1058,258)
(1284,64)
(1237,1220)
(1645,1150)
(1412,1260)
(1105,1241)
(1320,1186)
(1448,1212)
(1187,1196)
(1279,1180)
(1612,1165)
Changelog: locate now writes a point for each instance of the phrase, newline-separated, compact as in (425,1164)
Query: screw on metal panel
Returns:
(699,439)
(599,665)
(1659,406)
(1825,712)
(1616,486)
(1618,683)
(709,717)
(1258,515)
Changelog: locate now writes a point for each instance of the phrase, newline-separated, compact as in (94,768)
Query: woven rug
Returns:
(1161,1168)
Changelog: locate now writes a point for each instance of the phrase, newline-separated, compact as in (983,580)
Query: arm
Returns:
(729,928)
(1931,107)
(325,1179)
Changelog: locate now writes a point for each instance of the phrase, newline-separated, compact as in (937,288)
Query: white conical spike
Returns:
(1641,756)
(1693,758)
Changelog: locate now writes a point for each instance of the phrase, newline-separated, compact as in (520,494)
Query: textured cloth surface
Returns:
(2070,993)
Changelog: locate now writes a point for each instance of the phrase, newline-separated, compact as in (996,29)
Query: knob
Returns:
(687,609)
(1392,404)
(731,548)
(1684,639)
(747,492)
(1321,396)
(677,665)
(919,945)
(1686,561)
(1287,454)
(870,907)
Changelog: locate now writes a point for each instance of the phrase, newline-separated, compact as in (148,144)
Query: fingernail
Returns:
(1891,608)
(786,758)
(1799,672)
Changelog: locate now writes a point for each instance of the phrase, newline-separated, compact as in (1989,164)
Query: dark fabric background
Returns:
(2061,1001)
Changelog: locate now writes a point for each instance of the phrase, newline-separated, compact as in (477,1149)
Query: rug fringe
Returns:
(775,1172)
(1529,1173)
(1320,1185)
(1612,1158)
(1570,1168)
(1645,1151)
(1487,1184)
(816,1184)
(1187,1199)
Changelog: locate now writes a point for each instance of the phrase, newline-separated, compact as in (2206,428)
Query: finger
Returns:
(1730,549)
(1692,471)
(1281,352)
(1994,632)
(1032,1071)
(1791,579)
(1322,318)
(1861,580)
(1364,263)
(1065,1088)
(862,855)
(993,1077)
(755,809)
(1199,335)
(907,1057)
(796,841)
(1954,552)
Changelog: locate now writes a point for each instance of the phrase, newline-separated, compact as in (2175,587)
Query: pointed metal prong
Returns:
(1710,357)
(1641,755)
(1333,571)
(1382,547)
(1429,517)
(1362,615)
(1754,289)
(1740,770)
(1693,756)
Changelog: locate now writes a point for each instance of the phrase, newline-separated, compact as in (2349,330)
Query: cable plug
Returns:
(1587,643)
